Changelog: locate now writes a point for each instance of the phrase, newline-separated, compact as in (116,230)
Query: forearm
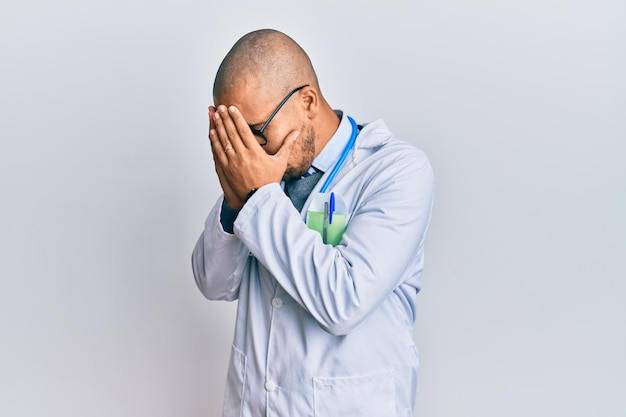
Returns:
(341,285)
(218,259)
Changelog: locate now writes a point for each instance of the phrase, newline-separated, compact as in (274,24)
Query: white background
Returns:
(106,178)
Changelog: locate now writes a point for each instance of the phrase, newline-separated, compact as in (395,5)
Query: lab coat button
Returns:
(270,386)
(277,302)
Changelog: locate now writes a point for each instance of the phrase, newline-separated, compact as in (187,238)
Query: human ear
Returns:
(309,98)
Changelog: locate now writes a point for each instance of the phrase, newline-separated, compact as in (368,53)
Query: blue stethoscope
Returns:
(329,207)
(342,158)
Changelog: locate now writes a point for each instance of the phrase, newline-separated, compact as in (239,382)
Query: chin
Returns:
(294,173)
(304,154)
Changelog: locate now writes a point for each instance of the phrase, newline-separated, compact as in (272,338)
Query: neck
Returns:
(327,126)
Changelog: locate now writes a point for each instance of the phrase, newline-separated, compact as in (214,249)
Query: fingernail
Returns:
(232,109)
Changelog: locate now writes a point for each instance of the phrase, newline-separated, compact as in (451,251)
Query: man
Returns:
(323,328)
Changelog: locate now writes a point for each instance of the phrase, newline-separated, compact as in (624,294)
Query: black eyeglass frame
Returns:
(260,131)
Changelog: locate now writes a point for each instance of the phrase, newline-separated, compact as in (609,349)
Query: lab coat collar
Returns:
(373,135)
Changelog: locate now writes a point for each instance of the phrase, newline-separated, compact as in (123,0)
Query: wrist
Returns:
(250,194)
(233,203)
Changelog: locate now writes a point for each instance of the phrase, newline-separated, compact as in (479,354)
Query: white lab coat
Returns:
(323,330)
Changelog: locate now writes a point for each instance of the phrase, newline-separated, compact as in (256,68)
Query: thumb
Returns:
(287,146)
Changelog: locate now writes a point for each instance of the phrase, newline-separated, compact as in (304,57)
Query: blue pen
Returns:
(331,208)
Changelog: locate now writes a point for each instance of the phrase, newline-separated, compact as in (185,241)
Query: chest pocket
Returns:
(370,395)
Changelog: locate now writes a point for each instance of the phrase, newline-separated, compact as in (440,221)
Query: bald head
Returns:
(268,60)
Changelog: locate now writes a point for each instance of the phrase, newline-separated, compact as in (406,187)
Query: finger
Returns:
(220,129)
(231,129)
(247,137)
(285,149)
(211,112)
(219,156)
(229,194)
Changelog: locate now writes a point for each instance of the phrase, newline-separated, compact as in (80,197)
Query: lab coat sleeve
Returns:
(339,286)
(218,259)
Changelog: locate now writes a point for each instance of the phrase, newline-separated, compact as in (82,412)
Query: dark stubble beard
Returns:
(305,146)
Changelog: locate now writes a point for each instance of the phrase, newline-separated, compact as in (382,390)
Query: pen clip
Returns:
(332,208)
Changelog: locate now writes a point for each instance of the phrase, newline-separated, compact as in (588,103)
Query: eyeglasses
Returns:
(261,131)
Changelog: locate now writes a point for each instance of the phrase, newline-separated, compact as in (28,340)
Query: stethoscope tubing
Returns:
(342,158)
